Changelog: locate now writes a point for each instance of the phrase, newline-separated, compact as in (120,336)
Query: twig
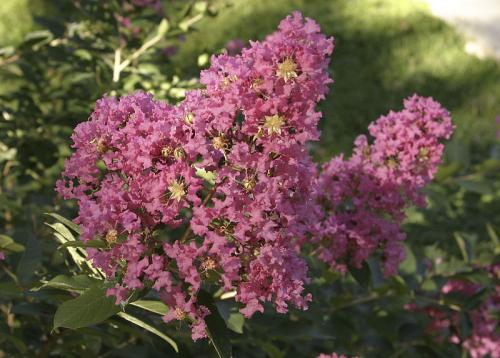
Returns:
(366,299)
(118,68)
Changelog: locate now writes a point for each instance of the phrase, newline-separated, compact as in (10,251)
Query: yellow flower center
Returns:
(166,151)
(220,142)
(179,153)
(257,83)
(273,124)
(287,69)
(392,162)
(111,236)
(189,118)
(228,79)
(209,264)
(249,183)
(367,151)
(177,190)
(101,146)
(423,154)
(180,314)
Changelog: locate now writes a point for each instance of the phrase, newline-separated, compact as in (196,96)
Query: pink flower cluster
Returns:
(227,171)
(333,355)
(484,339)
(364,197)
(2,256)
(220,190)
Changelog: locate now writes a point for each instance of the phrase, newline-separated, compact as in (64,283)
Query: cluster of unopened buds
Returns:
(220,190)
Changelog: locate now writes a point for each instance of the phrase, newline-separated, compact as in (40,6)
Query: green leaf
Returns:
(163,27)
(409,265)
(157,307)
(70,283)
(200,6)
(66,222)
(480,187)
(216,327)
(92,307)
(463,246)
(8,244)
(30,260)
(38,38)
(494,237)
(97,244)
(362,275)
(62,230)
(205,175)
(203,59)
(149,328)
(229,312)
(235,322)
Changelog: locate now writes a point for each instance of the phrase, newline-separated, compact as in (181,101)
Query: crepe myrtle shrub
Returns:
(220,193)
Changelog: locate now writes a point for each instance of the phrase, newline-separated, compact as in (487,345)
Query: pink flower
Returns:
(134,174)
(228,168)
(364,197)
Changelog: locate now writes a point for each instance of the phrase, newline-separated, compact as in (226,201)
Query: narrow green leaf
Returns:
(216,327)
(157,307)
(66,222)
(38,35)
(92,307)
(163,27)
(462,246)
(476,186)
(149,328)
(77,283)
(8,244)
(97,244)
(63,230)
(493,236)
